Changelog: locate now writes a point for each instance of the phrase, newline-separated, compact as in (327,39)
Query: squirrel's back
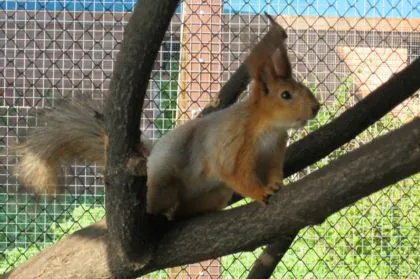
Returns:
(184,164)
(200,146)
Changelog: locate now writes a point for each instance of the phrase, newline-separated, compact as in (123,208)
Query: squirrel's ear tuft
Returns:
(279,30)
(281,63)
(263,80)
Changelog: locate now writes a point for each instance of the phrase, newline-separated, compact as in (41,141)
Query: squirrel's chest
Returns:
(270,143)
(269,153)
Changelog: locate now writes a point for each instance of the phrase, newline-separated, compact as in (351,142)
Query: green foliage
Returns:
(167,96)
(377,237)
(14,257)
(81,216)
(26,220)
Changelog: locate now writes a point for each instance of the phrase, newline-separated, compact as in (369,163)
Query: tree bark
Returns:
(357,174)
(131,235)
(309,201)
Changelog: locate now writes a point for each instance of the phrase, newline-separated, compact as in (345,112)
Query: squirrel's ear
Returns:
(264,79)
(281,63)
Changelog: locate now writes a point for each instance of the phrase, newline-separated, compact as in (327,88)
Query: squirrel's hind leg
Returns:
(214,200)
(162,196)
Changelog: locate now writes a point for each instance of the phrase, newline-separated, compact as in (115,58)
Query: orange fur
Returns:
(195,168)
(205,171)
(266,110)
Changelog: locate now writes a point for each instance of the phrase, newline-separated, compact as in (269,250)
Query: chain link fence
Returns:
(341,49)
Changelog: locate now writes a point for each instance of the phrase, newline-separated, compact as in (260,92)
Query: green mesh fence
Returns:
(342,49)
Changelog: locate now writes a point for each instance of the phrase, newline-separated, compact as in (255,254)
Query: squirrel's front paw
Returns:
(276,185)
(270,189)
(263,193)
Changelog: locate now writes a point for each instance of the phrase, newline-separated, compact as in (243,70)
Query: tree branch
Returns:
(266,263)
(321,142)
(355,175)
(238,82)
(353,121)
(230,92)
(128,225)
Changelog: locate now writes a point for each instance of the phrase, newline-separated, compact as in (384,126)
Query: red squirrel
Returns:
(196,167)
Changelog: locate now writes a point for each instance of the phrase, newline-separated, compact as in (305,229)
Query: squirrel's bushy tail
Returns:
(71,131)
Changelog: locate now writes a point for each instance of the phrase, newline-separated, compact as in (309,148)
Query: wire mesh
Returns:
(341,49)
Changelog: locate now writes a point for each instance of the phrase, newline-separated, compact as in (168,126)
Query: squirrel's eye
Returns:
(286,95)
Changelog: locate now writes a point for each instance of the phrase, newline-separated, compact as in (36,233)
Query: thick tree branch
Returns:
(128,224)
(355,175)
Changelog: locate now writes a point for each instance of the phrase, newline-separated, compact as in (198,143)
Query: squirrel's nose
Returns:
(315,109)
